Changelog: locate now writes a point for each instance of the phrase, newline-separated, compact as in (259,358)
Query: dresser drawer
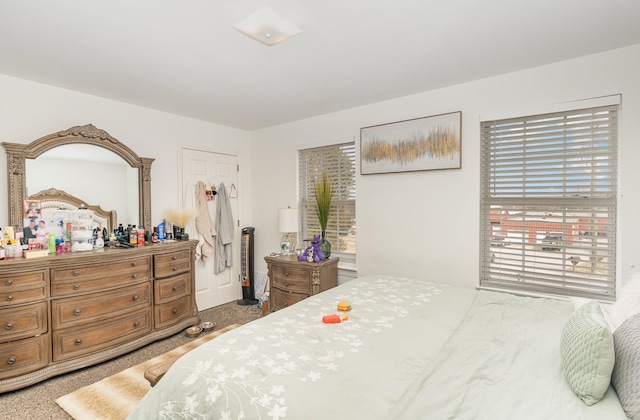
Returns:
(166,290)
(23,288)
(24,356)
(70,343)
(66,282)
(279,299)
(23,321)
(173,312)
(68,312)
(291,279)
(169,264)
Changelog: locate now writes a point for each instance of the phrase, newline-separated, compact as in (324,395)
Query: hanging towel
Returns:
(224,226)
(204,224)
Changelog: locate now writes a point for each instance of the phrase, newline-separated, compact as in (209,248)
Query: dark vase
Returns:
(325,246)
(178,233)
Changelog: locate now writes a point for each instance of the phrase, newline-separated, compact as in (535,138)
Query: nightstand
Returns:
(291,281)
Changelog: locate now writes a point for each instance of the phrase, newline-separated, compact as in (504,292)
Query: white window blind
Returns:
(548,204)
(339,162)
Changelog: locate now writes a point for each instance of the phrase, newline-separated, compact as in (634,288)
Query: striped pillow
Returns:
(626,372)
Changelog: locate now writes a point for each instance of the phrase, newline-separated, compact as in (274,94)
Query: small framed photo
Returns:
(32,208)
(285,248)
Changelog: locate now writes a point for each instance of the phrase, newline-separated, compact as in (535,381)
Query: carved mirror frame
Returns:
(86,134)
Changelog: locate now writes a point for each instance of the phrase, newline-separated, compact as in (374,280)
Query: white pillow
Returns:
(580,301)
(628,302)
(586,348)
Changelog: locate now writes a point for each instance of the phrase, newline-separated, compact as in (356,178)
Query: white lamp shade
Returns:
(287,220)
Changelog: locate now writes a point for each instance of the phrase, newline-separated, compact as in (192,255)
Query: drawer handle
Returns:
(8,282)
(286,274)
(175,311)
(10,298)
(135,276)
(136,324)
(136,297)
(78,341)
(77,312)
(175,288)
(76,286)
(8,326)
(174,258)
(76,273)
(11,360)
(286,304)
(175,268)
(135,264)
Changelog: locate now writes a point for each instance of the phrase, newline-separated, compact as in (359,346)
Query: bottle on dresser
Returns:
(133,235)
(140,236)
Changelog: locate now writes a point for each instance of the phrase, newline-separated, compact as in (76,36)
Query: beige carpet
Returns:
(114,397)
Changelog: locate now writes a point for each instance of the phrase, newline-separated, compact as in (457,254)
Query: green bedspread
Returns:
(411,349)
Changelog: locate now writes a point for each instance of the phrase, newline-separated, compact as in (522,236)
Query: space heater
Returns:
(246,268)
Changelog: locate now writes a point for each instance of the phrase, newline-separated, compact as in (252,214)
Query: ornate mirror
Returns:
(58,144)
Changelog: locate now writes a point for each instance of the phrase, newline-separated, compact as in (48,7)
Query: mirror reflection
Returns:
(92,173)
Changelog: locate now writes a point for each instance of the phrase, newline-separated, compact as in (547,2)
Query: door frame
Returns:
(235,273)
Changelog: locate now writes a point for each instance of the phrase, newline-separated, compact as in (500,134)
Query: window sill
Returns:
(347,266)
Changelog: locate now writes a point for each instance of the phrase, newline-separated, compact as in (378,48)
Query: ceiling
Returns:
(184,56)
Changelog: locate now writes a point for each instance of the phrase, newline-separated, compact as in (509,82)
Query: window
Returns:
(339,162)
(548,203)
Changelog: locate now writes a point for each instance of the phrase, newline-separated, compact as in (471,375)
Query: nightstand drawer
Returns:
(291,279)
(279,299)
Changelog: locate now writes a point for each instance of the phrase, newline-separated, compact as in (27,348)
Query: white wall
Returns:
(30,110)
(410,224)
(426,224)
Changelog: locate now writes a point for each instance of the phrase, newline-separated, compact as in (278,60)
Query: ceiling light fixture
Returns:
(267,27)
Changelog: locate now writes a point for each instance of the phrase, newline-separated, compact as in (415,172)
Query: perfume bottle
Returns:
(99,241)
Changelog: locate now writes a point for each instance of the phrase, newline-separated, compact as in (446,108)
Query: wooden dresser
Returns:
(65,312)
(291,281)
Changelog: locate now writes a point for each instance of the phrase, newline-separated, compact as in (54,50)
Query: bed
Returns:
(411,349)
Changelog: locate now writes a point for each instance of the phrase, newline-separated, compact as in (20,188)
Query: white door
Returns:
(213,169)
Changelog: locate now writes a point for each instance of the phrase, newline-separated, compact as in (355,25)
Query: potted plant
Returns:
(323,201)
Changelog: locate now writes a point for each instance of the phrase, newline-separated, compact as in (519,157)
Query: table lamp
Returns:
(288,224)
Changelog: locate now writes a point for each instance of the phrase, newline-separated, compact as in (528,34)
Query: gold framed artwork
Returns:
(420,144)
